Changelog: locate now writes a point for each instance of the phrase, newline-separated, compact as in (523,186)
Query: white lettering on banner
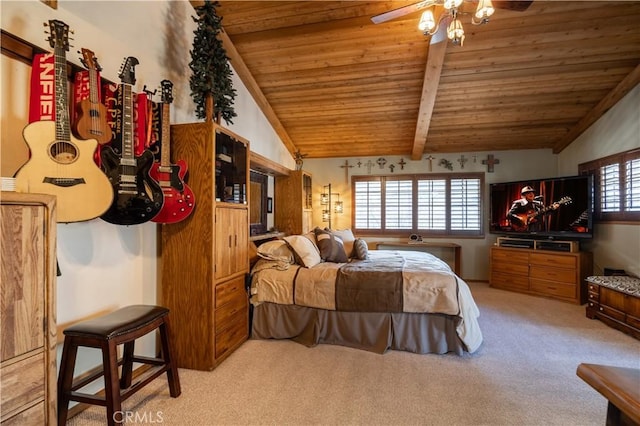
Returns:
(47,87)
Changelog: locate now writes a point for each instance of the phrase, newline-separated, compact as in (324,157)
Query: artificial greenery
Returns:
(211,72)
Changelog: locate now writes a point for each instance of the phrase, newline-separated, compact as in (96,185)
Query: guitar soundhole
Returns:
(63,152)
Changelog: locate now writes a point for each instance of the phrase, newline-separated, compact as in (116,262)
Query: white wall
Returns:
(105,266)
(615,245)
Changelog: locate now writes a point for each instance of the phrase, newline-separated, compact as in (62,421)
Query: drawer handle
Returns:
(601,309)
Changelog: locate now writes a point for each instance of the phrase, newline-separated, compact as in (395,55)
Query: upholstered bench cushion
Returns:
(114,324)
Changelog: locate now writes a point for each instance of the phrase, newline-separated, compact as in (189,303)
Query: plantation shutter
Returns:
(398,204)
(368,204)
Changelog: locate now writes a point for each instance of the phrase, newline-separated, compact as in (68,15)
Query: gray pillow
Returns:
(360,249)
(331,247)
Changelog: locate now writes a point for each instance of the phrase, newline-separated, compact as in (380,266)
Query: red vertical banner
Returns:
(42,105)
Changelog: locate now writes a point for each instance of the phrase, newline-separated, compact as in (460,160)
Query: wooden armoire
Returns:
(28,309)
(294,209)
(205,257)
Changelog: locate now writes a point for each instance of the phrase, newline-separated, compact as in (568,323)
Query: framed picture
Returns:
(269,205)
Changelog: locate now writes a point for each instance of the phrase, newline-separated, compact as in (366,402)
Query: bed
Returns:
(382,300)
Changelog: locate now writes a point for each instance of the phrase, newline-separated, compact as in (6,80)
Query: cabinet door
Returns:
(232,241)
(22,279)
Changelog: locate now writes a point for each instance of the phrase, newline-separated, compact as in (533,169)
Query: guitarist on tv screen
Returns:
(524,212)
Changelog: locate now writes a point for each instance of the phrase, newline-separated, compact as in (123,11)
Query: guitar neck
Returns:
(128,155)
(93,86)
(165,154)
(63,132)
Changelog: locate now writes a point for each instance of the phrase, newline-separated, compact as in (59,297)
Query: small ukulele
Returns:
(92,119)
(179,200)
(137,197)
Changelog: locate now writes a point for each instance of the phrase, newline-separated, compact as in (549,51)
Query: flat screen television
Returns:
(554,208)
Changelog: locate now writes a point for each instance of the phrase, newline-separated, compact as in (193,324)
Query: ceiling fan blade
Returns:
(515,5)
(401,11)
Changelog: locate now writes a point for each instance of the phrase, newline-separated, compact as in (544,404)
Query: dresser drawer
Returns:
(553,288)
(563,275)
(510,268)
(232,336)
(593,297)
(22,383)
(613,313)
(553,260)
(31,416)
(509,281)
(228,313)
(633,321)
(229,291)
(509,256)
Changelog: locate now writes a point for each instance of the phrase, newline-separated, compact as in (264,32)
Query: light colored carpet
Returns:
(523,374)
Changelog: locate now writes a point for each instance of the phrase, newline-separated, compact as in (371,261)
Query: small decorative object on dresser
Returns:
(615,300)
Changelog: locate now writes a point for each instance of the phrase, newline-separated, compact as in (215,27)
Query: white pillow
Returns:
(277,250)
(305,251)
(347,237)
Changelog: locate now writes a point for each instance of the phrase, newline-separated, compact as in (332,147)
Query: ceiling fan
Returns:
(429,26)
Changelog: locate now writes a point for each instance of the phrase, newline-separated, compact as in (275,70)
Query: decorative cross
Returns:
(346,166)
(391,167)
(359,163)
(462,160)
(402,163)
(369,164)
(490,162)
(430,159)
(381,162)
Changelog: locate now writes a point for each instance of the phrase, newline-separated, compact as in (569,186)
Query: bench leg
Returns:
(127,364)
(115,416)
(169,359)
(65,378)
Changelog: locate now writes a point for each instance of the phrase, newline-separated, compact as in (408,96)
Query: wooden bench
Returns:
(621,387)
(123,326)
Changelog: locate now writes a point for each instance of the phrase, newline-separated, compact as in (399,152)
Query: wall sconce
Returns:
(325,200)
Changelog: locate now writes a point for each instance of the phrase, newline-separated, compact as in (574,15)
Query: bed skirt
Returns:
(372,331)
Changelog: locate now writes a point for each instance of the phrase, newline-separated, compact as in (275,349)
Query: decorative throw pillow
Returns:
(347,237)
(331,247)
(360,249)
(304,250)
(277,250)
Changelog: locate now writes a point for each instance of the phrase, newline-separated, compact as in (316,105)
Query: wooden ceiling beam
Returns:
(618,92)
(432,73)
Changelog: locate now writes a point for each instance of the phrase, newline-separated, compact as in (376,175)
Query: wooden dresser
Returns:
(28,309)
(205,258)
(557,275)
(615,300)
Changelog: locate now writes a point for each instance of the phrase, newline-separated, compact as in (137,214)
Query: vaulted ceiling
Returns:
(334,84)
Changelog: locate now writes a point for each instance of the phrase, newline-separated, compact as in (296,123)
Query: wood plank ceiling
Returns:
(334,84)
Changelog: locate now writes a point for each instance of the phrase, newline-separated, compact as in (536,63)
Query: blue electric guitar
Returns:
(60,164)
(137,197)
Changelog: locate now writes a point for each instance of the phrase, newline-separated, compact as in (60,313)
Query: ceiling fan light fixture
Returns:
(455,32)
(427,21)
(452,4)
(483,12)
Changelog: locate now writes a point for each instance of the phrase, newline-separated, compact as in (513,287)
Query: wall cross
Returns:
(490,162)
(430,159)
(346,166)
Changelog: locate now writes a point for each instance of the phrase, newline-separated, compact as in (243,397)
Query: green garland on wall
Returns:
(211,72)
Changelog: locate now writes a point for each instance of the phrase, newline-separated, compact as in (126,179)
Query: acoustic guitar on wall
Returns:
(179,200)
(92,114)
(60,164)
(137,197)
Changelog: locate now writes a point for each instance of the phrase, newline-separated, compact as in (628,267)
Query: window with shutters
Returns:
(617,186)
(429,205)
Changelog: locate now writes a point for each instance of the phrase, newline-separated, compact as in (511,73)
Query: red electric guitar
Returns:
(179,200)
